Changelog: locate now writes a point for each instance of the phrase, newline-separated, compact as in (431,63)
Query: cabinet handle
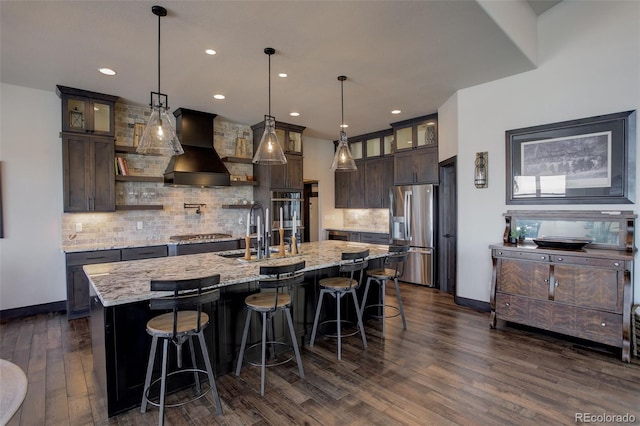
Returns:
(542,257)
(95,257)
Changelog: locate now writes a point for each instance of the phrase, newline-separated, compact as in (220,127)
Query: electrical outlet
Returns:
(79,227)
(140,226)
(240,221)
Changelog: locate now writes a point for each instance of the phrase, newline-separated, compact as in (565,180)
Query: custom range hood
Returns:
(200,164)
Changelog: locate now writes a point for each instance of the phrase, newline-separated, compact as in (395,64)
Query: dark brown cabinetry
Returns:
(416,166)
(88,126)
(87,112)
(582,293)
(416,150)
(349,188)
(78,302)
(379,178)
(288,176)
(88,173)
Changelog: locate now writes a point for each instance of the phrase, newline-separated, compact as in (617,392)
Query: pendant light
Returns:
(159,136)
(269,151)
(343,160)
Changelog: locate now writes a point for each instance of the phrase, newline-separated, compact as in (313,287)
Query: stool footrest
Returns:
(379,305)
(271,361)
(145,394)
(351,323)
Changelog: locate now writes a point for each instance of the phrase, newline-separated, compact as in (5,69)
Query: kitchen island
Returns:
(120,308)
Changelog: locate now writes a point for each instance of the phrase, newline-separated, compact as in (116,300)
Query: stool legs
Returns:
(404,321)
(266,324)
(382,283)
(163,377)
(338,296)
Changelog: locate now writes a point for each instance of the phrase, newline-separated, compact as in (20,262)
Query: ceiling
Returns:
(407,55)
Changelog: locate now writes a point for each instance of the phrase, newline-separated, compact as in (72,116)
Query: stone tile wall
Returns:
(158,225)
(374,220)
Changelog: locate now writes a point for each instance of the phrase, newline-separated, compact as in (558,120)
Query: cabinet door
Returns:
(588,287)
(102,175)
(356,187)
(294,172)
(88,174)
(77,292)
(378,179)
(425,165)
(86,115)
(342,186)
(529,279)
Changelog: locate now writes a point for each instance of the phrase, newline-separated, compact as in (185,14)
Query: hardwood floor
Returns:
(448,367)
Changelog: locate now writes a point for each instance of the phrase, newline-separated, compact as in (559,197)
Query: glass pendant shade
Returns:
(343,160)
(269,151)
(159,137)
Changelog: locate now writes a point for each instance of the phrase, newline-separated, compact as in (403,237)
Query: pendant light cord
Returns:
(342,104)
(269,84)
(159,104)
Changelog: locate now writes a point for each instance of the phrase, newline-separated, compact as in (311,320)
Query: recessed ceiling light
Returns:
(210,52)
(294,114)
(396,111)
(282,74)
(219,96)
(107,71)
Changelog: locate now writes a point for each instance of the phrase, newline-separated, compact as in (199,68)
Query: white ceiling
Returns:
(409,55)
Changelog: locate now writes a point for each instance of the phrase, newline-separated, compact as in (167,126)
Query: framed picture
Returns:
(585,161)
(138,128)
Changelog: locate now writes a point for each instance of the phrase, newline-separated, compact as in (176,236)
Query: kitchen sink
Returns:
(199,237)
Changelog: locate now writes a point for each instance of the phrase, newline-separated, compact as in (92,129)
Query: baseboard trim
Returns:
(26,311)
(473,304)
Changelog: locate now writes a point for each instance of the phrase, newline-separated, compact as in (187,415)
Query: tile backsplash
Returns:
(174,219)
(374,220)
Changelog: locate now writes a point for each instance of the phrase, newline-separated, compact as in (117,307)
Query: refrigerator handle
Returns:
(407,215)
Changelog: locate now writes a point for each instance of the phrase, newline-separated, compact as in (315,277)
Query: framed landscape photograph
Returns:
(585,161)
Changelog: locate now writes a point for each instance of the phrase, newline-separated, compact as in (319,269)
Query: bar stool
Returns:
(394,268)
(268,303)
(338,287)
(185,320)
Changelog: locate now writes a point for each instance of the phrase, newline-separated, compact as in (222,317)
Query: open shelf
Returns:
(236,206)
(139,207)
(128,178)
(123,149)
(237,160)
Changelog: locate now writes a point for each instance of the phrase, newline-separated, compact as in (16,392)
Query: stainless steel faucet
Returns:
(262,246)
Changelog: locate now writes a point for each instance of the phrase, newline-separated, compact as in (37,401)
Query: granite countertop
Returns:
(71,247)
(119,283)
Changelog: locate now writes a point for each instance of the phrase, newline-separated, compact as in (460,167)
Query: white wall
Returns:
(31,262)
(318,154)
(589,64)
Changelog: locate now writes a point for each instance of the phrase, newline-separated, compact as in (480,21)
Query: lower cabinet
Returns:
(572,293)
(206,247)
(77,282)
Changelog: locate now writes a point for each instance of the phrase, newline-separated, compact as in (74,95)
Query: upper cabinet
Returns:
(416,133)
(416,151)
(282,177)
(87,112)
(88,129)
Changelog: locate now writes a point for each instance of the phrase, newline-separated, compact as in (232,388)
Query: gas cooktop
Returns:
(199,237)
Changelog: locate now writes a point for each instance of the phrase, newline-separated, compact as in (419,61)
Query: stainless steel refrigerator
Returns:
(411,219)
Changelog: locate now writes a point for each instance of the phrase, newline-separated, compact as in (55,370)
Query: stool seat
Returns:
(187,322)
(265,301)
(382,273)
(338,283)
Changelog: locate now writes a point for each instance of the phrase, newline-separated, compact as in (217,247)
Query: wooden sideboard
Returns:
(586,293)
